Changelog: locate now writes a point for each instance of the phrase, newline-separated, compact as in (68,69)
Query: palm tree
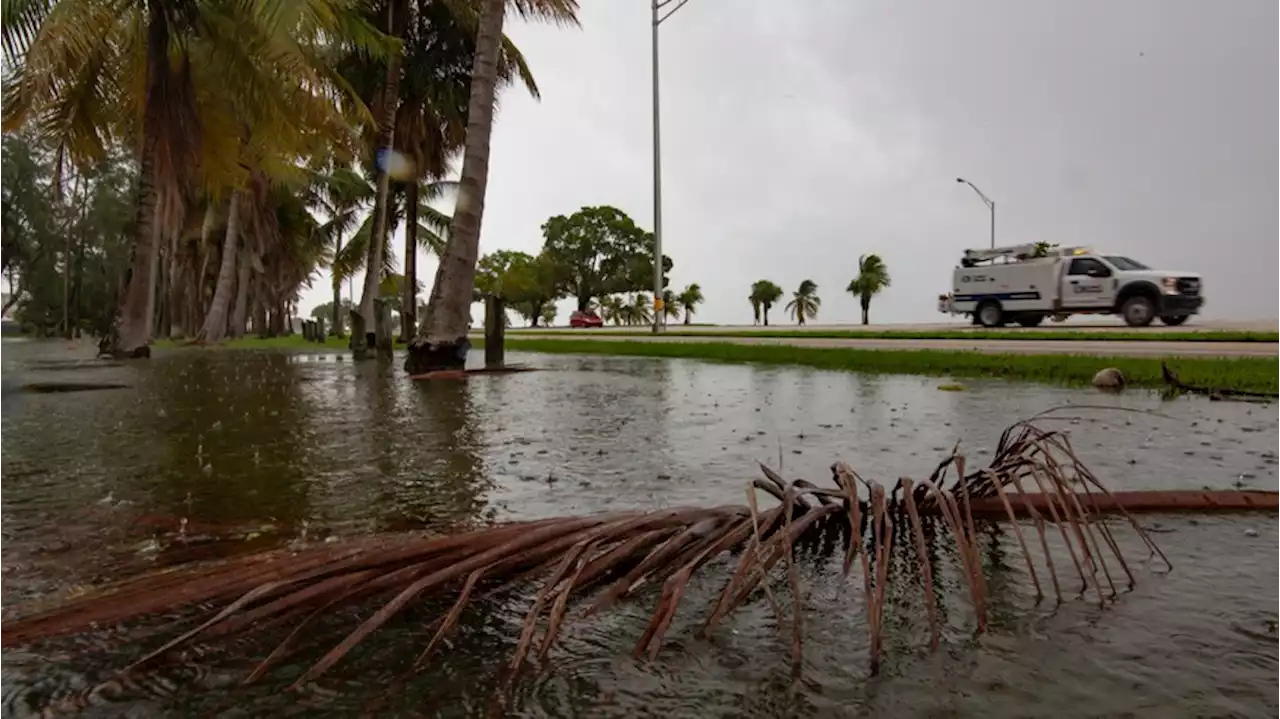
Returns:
(764,295)
(688,300)
(428,232)
(872,277)
(341,193)
(640,310)
(217,91)
(805,302)
(611,309)
(670,306)
(422,96)
(442,338)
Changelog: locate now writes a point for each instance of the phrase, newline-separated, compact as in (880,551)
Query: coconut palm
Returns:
(442,340)
(764,295)
(640,310)
(208,92)
(804,302)
(872,277)
(670,306)
(421,94)
(612,309)
(688,301)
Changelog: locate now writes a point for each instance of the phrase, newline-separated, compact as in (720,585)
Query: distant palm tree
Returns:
(640,311)
(670,306)
(688,300)
(764,295)
(612,309)
(872,277)
(805,302)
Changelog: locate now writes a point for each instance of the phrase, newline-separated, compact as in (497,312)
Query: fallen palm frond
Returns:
(596,561)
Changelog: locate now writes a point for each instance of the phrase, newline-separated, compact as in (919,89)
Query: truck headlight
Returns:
(1170,285)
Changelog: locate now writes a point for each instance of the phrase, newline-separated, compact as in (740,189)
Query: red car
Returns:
(585,319)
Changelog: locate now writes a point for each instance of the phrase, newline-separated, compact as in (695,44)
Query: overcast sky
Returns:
(799,135)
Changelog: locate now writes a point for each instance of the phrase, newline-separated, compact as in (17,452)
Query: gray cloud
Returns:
(795,140)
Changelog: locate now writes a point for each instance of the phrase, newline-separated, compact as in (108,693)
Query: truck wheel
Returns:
(1138,311)
(1031,320)
(1175,320)
(990,314)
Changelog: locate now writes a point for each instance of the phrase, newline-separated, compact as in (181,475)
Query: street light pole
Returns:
(657,17)
(990,206)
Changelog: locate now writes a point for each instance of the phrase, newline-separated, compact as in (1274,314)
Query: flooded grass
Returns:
(294,341)
(223,450)
(1253,374)
(1243,373)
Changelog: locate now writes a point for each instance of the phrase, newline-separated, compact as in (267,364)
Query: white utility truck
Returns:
(1027,283)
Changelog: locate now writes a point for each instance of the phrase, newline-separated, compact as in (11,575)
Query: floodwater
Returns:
(205,453)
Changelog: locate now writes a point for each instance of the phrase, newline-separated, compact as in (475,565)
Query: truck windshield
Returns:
(1124,263)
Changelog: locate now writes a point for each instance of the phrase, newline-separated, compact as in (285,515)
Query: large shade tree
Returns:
(525,283)
(603,252)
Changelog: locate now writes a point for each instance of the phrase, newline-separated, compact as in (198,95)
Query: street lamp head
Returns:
(959,179)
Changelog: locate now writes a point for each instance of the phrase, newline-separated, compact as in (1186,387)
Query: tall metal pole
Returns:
(657,179)
(991,205)
(993,225)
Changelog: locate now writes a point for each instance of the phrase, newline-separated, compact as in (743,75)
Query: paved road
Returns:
(1075,324)
(1074,347)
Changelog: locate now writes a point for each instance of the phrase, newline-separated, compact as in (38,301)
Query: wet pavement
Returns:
(258,449)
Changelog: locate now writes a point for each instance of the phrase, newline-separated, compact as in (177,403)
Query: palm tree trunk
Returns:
(77,286)
(766,315)
(373,260)
(240,313)
(409,306)
(337,330)
(215,322)
(206,232)
(259,310)
(174,301)
(159,299)
(442,341)
(66,288)
(866,312)
(132,332)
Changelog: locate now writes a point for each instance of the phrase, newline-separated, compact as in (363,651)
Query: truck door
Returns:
(1088,284)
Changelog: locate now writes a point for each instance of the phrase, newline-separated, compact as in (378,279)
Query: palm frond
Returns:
(430,241)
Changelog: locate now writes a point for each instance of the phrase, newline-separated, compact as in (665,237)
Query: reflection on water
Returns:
(256,449)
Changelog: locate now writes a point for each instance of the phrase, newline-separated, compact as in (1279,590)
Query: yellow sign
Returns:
(657,304)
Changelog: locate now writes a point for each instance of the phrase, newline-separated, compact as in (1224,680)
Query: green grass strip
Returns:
(1065,335)
(294,341)
(1257,374)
